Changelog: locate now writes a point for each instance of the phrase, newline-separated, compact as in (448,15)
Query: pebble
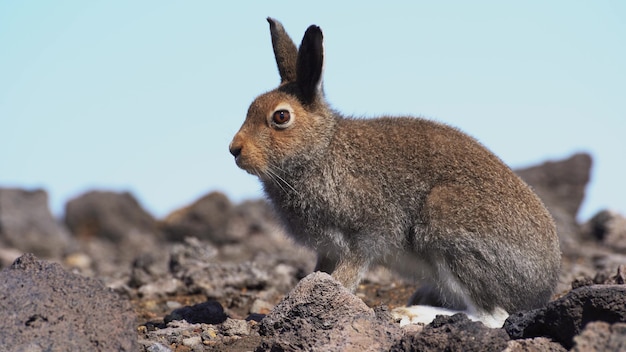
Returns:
(192,341)
(235,327)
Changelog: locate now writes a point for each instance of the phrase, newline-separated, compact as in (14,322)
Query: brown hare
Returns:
(415,195)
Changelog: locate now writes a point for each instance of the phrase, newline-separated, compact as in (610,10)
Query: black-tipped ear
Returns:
(310,63)
(285,51)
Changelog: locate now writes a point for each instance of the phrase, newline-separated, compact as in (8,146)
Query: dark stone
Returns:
(43,307)
(454,333)
(210,312)
(566,317)
(609,228)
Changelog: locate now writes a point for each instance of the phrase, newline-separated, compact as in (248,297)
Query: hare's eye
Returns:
(281,117)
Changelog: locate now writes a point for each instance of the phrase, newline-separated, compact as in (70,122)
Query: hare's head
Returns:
(291,122)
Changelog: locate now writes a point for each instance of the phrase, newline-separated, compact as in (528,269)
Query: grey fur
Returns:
(413,194)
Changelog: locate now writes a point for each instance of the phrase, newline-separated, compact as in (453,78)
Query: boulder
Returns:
(567,316)
(205,219)
(113,229)
(46,308)
(608,228)
(27,224)
(320,314)
(215,219)
(108,215)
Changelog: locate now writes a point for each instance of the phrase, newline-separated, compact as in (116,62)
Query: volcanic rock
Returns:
(320,314)
(566,317)
(27,225)
(45,308)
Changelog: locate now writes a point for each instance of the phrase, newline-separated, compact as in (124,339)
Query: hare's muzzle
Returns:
(235,150)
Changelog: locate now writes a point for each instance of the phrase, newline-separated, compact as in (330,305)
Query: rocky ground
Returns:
(218,276)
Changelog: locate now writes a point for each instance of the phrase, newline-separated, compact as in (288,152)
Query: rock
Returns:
(192,341)
(109,215)
(538,344)
(46,307)
(260,306)
(210,312)
(254,219)
(215,219)
(27,224)
(156,347)
(601,336)
(320,314)
(609,228)
(191,253)
(147,268)
(205,219)
(561,186)
(113,229)
(216,280)
(561,182)
(235,327)
(602,278)
(566,317)
(454,333)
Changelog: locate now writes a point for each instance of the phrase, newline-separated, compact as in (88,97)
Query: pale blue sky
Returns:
(145,96)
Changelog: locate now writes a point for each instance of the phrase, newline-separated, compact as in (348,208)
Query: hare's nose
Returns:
(235,150)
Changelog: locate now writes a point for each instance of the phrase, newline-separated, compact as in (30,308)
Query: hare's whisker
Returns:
(276,174)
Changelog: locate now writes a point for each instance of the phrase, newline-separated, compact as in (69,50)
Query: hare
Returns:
(415,195)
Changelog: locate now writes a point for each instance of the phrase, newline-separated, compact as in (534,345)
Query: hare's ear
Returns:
(285,51)
(310,63)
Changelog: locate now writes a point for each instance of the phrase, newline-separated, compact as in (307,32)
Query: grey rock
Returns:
(538,344)
(147,268)
(561,182)
(609,228)
(113,229)
(320,314)
(44,306)
(205,219)
(601,336)
(454,333)
(566,317)
(156,347)
(27,224)
(216,280)
(108,215)
(235,327)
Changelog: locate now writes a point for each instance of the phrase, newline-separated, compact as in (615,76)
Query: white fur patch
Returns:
(426,314)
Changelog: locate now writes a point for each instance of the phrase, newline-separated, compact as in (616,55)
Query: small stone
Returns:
(192,341)
(260,306)
(235,327)
(157,347)
(209,334)
(78,260)
(173,304)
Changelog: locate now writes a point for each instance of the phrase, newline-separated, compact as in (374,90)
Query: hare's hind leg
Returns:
(425,314)
(446,296)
